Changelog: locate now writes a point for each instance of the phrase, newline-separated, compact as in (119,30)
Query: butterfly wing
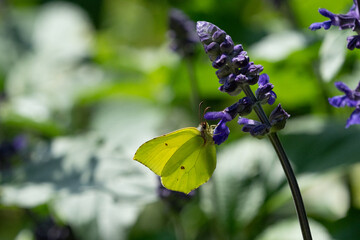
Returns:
(190,166)
(182,158)
(156,153)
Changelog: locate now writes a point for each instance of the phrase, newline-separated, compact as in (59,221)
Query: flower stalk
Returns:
(183,41)
(195,99)
(285,163)
(294,187)
(236,73)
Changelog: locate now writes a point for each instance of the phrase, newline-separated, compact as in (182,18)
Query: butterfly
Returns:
(184,159)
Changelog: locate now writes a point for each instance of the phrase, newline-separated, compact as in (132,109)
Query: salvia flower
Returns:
(182,33)
(221,131)
(9,149)
(278,118)
(50,230)
(257,129)
(343,21)
(235,72)
(353,42)
(350,99)
(264,93)
(234,67)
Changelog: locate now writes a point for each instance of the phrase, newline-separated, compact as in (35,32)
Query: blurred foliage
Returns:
(84,83)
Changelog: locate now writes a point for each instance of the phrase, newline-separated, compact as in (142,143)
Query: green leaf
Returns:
(332,54)
(317,191)
(27,195)
(246,170)
(347,227)
(316,145)
(290,230)
(277,46)
(25,234)
(90,180)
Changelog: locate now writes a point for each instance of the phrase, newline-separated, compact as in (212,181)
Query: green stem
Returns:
(179,230)
(285,163)
(195,99)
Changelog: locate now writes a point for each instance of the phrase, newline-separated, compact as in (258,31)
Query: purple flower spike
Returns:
(343,21)
(221,132)
(263,79)
(351,99)
(245,106)
(339,101)
(234,67)
(344,88)
(248,123)
(19,142)
(255,128)
(236,72)
(354,118)
(218,116)
(315,26)
(278,118)
(278,114)
(264,93)
(328,14)
(182,33)
(350,94)
(242,107)
(353,42)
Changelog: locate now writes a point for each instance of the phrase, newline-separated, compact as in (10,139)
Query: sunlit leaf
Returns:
(290,230)
(332,54)
(62,32)
(326,195)
(27,195)
(246,170)
(90,180)
(278,46)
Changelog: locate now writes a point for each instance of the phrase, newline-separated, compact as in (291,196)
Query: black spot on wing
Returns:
(182,167)
(166,144)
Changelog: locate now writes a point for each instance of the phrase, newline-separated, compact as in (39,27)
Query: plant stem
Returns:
(179,230)
(193,83)
(285,163)
(295,190)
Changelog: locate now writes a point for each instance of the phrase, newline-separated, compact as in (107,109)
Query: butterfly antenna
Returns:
(206,109)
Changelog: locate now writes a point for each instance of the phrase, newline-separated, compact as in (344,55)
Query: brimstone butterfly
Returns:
(184,159)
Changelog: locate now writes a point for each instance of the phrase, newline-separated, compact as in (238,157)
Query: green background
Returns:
(87,82)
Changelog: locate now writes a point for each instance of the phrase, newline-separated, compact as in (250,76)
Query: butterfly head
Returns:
(203,126)
(206,132)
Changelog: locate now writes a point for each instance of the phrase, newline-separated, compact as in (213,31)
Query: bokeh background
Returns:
(84,83)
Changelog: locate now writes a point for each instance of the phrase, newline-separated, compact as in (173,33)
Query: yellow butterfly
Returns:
(184,159)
